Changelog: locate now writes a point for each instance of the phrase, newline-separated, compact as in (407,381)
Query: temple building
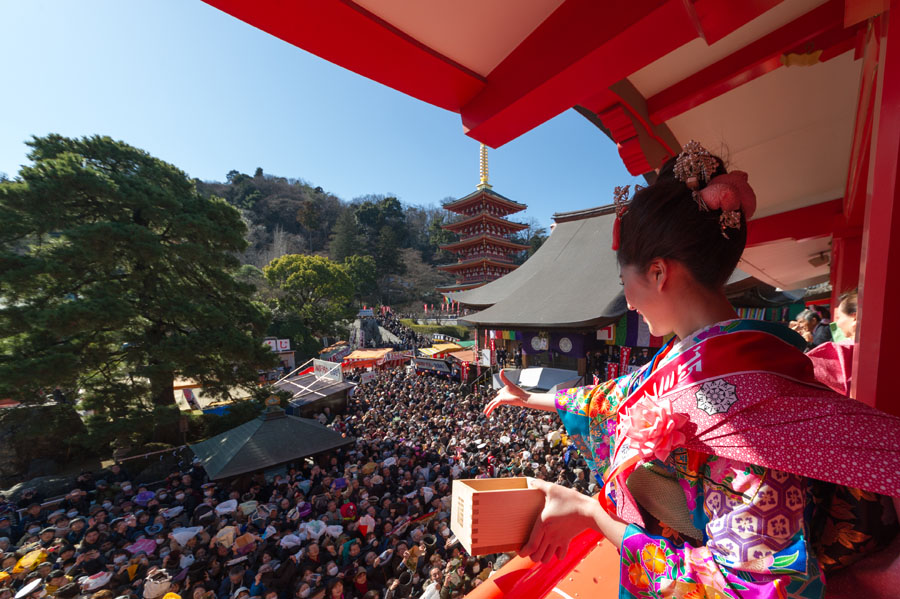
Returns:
(484,248)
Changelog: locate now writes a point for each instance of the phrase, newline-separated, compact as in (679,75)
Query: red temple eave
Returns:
(484,195)
(503,224)
(553,61)
(467,264)
(347,34)
(489,240)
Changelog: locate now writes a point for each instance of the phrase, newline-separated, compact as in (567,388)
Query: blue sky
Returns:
(209,93)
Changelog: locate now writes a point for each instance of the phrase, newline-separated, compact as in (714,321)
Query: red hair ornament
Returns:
(731,194)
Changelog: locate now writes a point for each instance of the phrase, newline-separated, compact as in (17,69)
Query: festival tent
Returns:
(365,358)
(465,355)
(310,393)
(540,380)
(189,396)
(439,350)
(272,439)
(335,352)
(369,358)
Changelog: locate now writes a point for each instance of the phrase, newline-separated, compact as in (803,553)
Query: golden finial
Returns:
(484,169)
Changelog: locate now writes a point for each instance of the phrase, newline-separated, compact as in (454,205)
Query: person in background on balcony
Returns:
(845,315)
(833,360)
(708,455)
(819,330)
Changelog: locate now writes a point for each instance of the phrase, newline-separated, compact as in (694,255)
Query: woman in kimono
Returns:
(710,457)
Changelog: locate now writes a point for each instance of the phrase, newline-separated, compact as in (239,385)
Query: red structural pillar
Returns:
(845,257)
(875,362)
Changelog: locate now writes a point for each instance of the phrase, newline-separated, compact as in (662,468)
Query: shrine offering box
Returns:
(494,515)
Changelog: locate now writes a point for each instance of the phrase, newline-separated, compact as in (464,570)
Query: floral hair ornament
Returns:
(694,167)
(729,193)
(732,194)
(621,202)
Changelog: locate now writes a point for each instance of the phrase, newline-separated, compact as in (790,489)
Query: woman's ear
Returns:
(658,273)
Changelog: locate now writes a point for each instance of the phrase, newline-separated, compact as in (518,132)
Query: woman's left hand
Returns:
(566,514)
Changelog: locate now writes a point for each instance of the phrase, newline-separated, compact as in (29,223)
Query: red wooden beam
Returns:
(582,48)
(818,220)
(346,34)
(860,149)
(718,18)
(877,354)
(857,11)
(752,61)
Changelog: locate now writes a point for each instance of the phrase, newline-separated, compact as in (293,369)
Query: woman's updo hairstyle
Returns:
(663,220)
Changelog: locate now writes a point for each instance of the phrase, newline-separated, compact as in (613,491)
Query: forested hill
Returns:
(292,216)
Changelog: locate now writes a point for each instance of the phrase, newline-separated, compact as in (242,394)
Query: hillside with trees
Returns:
(291,216)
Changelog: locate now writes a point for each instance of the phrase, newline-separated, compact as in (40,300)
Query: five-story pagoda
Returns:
(484,247)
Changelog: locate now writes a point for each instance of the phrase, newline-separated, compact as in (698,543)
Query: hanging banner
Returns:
(366,377)
(624,357)
(612,371)
(429,365)
(328,370)
(477,361)
(606,333)
(190,399)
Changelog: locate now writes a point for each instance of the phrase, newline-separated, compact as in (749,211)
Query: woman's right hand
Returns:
(510,395)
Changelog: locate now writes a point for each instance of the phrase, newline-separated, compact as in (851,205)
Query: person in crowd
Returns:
(684,427)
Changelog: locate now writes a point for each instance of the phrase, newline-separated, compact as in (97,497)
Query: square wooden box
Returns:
(494,515)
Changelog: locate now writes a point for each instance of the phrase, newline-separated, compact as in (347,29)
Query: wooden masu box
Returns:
(494,515)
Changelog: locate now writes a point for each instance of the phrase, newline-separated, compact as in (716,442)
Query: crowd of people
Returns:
(366,522)
(409,338)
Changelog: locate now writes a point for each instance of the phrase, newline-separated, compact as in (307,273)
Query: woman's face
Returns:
(845,322)
(642,295)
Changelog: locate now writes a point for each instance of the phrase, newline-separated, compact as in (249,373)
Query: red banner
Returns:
(624,356)
(612,371)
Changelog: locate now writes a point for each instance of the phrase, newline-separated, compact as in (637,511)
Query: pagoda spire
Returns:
(485,249)
(483,168)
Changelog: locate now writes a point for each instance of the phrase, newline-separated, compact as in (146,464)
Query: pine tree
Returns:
(116,276)
(345,239)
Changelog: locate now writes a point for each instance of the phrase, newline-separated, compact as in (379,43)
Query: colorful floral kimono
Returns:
(714,451)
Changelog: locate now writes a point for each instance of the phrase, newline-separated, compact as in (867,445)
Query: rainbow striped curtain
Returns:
(632,331)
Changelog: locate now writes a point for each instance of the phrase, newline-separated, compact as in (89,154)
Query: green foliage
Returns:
(387,252)
(53,432)
(438,236)
(345,240)
(238,413)
(116,276)
(306,215)
(132,425)
(458,331)
(534,237)
(362,273)
(314,288)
